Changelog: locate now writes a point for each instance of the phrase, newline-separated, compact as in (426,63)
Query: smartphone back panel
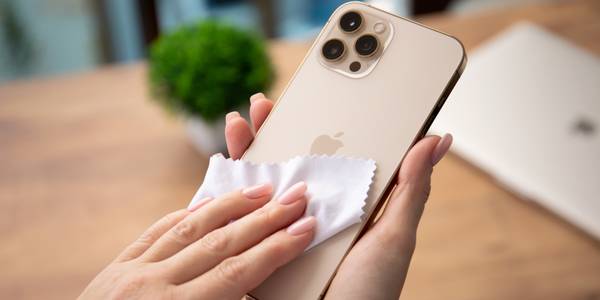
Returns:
(379,115)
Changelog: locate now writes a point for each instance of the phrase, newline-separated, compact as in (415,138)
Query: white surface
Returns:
(337,185)
(514,112)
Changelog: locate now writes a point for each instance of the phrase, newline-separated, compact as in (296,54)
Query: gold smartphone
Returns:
(370,87)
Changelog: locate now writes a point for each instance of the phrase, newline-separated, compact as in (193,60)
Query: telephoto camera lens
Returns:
(350,21)
(366,45)
(333,49)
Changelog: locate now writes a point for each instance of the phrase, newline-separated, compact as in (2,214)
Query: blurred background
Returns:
(53,37)
(109,110)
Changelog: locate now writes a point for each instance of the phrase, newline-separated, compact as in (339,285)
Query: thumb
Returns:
(403,212)
(383,254)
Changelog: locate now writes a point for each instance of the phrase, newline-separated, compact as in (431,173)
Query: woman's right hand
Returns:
(200,254)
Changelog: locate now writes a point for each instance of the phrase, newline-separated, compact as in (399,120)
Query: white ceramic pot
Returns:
(207,138)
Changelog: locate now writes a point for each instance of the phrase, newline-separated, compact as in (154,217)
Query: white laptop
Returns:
(527,111)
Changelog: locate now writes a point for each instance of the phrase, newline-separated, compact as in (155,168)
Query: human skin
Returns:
(197,253)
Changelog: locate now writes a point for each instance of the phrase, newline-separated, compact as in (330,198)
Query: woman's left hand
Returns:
(200,254)
(383,254)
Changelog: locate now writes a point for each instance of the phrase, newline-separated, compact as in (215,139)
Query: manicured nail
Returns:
(258,191)
(441,148)
(293,193)
(200,203)
(256,97)
(231,115)
(302,226)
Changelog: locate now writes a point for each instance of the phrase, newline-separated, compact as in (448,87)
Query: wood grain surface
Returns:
(88,161)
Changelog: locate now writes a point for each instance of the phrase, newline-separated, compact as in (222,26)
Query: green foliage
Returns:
(208,69)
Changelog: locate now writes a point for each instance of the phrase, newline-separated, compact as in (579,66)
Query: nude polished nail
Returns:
(258,191)
(293,193)
(302,226)
(200,203)
(231,115)
(256,97)
(441,148)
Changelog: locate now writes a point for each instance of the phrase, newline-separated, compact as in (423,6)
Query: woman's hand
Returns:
(200,254)
(383,254)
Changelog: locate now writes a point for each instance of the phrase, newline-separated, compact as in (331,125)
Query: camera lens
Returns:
(333,49)
(350,21)
(366,45)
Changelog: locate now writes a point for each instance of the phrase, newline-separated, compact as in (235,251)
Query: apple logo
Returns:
(584,127)
(326,144)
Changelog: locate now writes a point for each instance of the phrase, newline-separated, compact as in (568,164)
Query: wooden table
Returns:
(87,162)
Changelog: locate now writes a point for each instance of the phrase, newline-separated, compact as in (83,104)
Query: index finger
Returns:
(260,107)
(238,134)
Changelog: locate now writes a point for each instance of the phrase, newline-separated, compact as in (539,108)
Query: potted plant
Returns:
(205,70)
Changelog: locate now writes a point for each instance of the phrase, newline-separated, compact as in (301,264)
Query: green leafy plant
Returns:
(208,69)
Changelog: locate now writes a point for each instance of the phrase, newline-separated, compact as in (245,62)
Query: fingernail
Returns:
(200,203)
(293,193)
(302,226)
(256,97)
(258,191)
(441,148)
(231,115)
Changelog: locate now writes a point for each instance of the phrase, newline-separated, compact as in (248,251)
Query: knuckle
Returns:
(141,285)
(216,241)
(169,218)
(148,237)
(233,270)
(184,232)
(270,217)
(130,287)
(277,250)
(152,234)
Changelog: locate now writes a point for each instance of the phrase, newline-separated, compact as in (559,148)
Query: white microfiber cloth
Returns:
(337,185)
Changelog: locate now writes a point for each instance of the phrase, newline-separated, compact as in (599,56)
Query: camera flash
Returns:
(379,27)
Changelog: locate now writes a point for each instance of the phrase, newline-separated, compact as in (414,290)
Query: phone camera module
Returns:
(366,45)
(333,49)
(351,21)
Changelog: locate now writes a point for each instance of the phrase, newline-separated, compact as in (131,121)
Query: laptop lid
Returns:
(527,111)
